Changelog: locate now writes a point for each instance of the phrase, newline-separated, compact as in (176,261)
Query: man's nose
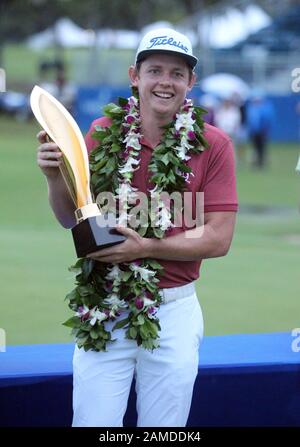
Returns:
(165,79)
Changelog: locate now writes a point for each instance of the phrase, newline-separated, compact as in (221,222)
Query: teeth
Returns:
(163,95)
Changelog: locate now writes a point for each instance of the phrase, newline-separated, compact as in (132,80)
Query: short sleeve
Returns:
(220,192)
(90,142)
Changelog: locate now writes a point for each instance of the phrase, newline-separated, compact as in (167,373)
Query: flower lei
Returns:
(104,292)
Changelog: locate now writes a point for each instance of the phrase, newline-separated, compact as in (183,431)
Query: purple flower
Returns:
(129,297)
(108,286)
(177,133)
(125,154)
(191,135)
(139,303)
(152,310)
(83,316)
(130,119)
(148,295)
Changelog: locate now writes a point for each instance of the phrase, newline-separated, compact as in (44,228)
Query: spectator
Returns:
(259,119)
(228,118)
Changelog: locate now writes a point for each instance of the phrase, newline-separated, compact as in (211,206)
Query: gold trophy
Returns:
(92,231)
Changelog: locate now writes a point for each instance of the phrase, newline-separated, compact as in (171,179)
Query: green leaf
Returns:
(115,148)
(154,264)
(94,334)
(144,332)
(85,290)
(87,268)
(126,276)
(121,324)
(170,142)
(142,231)
(141,319)
(110,109)
(71,296)
(122,101)
(73,322)
(100,164)
(158,232)
(171,176)
(165,159)
(132,332)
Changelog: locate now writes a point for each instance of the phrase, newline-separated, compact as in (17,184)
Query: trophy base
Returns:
(94,233)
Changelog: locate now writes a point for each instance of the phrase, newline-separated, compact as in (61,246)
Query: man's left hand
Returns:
(133,248)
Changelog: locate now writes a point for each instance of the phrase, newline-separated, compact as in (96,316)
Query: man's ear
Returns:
(133,75)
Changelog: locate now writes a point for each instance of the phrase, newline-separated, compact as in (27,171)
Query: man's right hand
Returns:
(49,159)
(48,156)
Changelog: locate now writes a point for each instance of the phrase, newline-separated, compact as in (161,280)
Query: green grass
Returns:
(255,288)
(78,61)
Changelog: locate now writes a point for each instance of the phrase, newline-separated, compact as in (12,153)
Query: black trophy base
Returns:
(95,233)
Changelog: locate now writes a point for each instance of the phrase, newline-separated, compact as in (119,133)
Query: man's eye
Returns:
(178,74)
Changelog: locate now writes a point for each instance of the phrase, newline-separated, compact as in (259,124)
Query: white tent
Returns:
(225,85)
(224,28)
(111,38)
(65,33)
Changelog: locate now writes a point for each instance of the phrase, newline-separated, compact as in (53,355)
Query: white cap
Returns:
(166,40)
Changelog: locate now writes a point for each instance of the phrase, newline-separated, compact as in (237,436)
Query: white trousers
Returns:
(164,378)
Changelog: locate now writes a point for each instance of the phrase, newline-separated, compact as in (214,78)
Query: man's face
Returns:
(162,81)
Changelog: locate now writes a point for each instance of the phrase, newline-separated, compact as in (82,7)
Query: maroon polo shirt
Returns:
(214,175)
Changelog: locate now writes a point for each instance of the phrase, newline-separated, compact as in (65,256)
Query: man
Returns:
(163,75)
(259,120)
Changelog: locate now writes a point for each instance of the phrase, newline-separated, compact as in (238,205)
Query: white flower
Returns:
(114,300)
(148,302)
(143,272)
(164,218)
(133,102)
(126,194)
(128,166)
(154,190)
(125,189)
(82,310)
(97,315)
(184,120)
(184,142)
(180,152)
(183,148)
(114,273)
(132,139)
(113,311)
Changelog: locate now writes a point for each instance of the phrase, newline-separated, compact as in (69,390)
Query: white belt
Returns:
(176,293)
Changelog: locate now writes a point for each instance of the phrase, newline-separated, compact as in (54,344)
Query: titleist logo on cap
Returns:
(164,40)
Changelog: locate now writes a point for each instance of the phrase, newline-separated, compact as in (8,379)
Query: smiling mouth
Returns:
(163,95)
